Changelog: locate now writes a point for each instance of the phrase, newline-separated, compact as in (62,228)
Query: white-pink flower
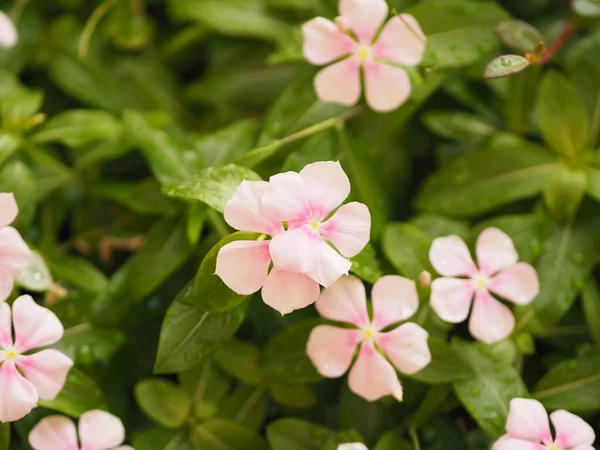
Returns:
(25,376)
(14,253)
(497,271)
(527,428)
(332,349)
(401,42)
(353,446)
(98,430)
(8,32)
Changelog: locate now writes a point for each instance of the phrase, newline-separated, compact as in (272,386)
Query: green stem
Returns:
(423,315)
(415,438)
(90,26)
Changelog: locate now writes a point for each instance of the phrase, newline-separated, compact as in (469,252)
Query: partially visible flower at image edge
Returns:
(8,32)
(401,42)
(352,446)
(26,376)
(15,255)
(98,430)
(331,348)
(498,271)
(527,428)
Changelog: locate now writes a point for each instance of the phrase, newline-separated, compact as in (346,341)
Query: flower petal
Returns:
(8,204)
(340,82)
(46,370)
(35,326)
(353,446)
(495,251)
(518,283)
(491,321)
(364,16)
(17,395)
(8,32)
(394,299)
(406,347)
(451,298)
(99,430)
(244,211)
(15,255)
(387,87)
(517,444)
(372,377)
(243,265)
(571,430)
(331,349)
(324,42)
(528,420)
(287,291)
(285,198)
(349,229)
(345,301)
(6,339)
(327,186)
(54,432)
(402,41)
(7,282)
(450,257)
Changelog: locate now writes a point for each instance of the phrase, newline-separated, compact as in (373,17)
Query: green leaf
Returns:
(487,395)
(296,434)
(78,127)
(5,436)
(36,276)
(163,401)
(407,248)
(205,384)
(446,366)
(19,106)
(366,266)
(78,272)
(505,66)
(226,144)
(9,143)
(292,395)
(86,344)
(519,105)
(161,439)
(246,406)
(190,333)
(518,35)
(457,125)
(434,226)
(573,385)
(240,360)
(392,441)
(593,177)
(79,395)
(212,186)
(564,192)
(587,8)
(591,308)
(221,434)
(565,132)
(431,404)
(17,178)
(469,185)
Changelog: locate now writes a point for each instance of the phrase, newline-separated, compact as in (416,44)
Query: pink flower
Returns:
(498,272)
(25,376)
(401,42)
(98,430)
(14,253)
(353,446)
(332,349)
(8,33)
(527,428)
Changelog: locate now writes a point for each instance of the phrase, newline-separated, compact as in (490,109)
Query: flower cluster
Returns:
(8,33)
(311,238)
(355,39)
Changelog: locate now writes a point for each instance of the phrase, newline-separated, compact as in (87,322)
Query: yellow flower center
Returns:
(368,333)
(315,224)
(364,53)
(552,447)
(481,281)
(11,354)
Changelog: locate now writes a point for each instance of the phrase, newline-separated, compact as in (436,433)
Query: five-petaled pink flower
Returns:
(353,446)
(25,376)
(8,32)
(98,430)
(14,253)
(498,272)
(527,428)
(332,349)
(301,255)
(401,42)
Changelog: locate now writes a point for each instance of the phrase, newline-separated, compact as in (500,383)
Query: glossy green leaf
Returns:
(78,272)
(222,434)
(392,441)
(163,401)
(591,307)
(246,406)
(292,395)
(36,276)
(240,360)
(456,125)
(564,192)
(296,434)
(86,344)
(226,144)
(407,248)
(518,35)
(9,144)
(16,177)
(206,385)
(587,8)
(366,266)
(161,439)
(505,66)
(447,364)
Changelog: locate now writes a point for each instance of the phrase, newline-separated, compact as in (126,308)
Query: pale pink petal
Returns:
(324,42)
(584,447)
(349,229)
(6,339)
(286,199)
(406,347)
(35,326)
(451,298)
(17,395)
(517,444)
(345,301)
(243,265)
(7,282)
(54,432)
(365,17)
(353,446)
(491,321)
(571,430)
(15,255)
(402,41)
(124,447)
(47,370)
(394,299)
(495,251)
(372,377)
(244,210)
(340,82)
(8,204)
(518,283)
(527,419)
(450,257)
(387,87)
(287,291)
(99,430)
(327,186)
(331,349)
(8,32)
(498,443)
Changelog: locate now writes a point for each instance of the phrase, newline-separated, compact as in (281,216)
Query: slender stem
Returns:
(562,39)
(415,438)
(90,26)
